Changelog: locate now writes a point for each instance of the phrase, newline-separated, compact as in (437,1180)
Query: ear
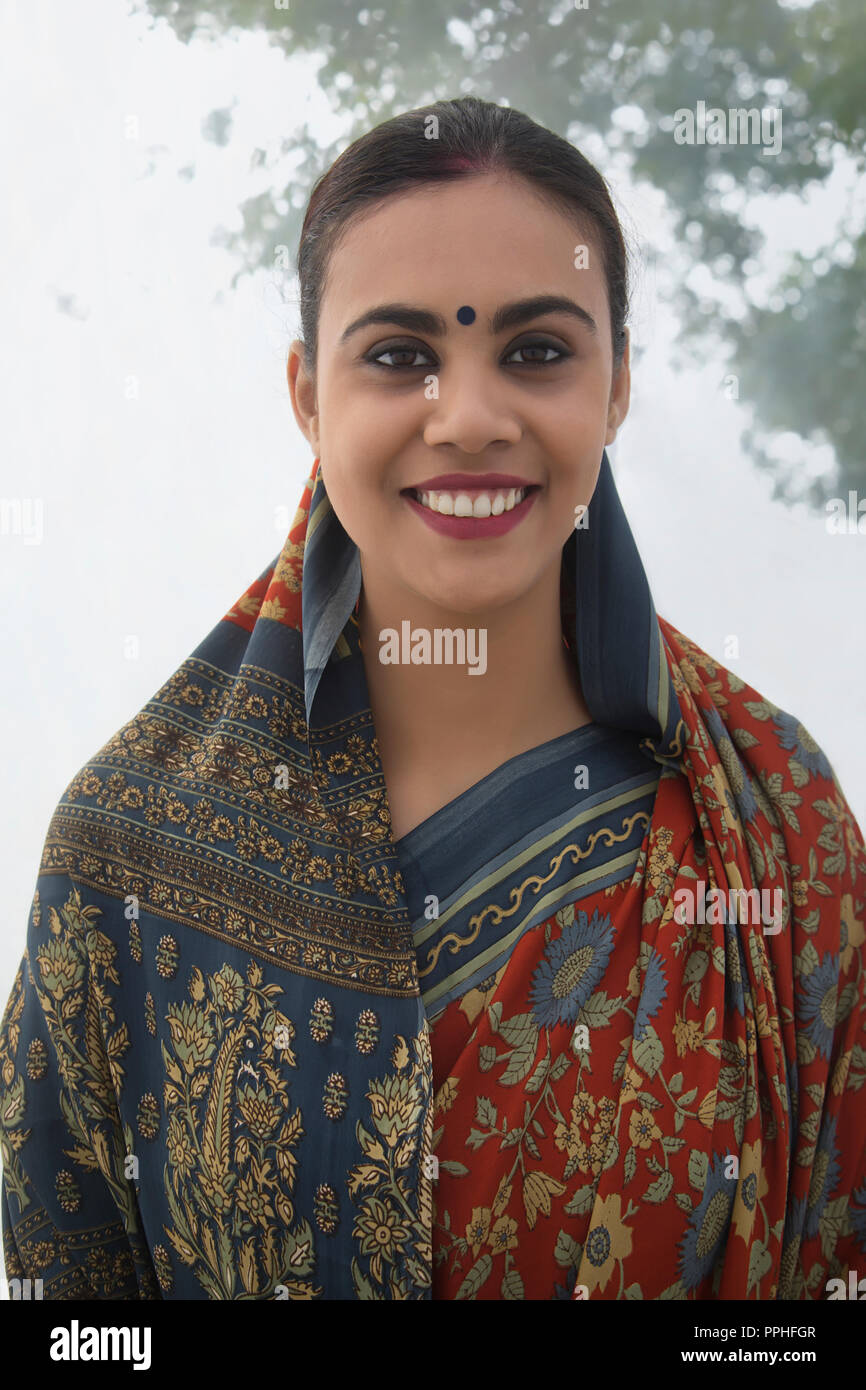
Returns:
(302,389)
(620,394)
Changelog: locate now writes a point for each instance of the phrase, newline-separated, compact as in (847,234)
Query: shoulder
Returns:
(766,736)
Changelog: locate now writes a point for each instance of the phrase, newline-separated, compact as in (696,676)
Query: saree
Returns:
(594,1030)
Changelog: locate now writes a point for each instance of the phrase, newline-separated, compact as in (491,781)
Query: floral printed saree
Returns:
(596,1029)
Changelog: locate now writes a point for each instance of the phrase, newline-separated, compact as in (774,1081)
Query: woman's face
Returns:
(536,399)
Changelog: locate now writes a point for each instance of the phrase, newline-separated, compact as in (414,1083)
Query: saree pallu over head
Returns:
(623,1058)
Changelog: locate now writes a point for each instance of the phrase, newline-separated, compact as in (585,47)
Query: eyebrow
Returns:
(510,315)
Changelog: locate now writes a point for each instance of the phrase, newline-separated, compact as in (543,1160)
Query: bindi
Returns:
(466,314)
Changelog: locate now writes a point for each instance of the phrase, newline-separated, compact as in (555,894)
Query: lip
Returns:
(468,482)
(470,528)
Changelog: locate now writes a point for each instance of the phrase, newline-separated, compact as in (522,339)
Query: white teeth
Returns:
(461,504)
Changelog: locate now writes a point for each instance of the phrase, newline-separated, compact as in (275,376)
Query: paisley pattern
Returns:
(243,1059)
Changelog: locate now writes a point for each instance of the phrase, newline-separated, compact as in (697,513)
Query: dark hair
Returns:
(474,137)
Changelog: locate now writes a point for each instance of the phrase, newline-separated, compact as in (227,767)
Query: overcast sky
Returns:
(158,510)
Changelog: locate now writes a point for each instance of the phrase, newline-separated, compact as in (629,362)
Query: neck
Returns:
(529,691)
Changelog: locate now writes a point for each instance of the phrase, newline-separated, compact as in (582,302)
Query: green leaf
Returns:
(581,1202)
(476,1277)
(649,1101)
(699,1167)
(815,1275)
(520,1063)
(566,1252)
(486,1057)
(485,1111)
(629,1166)
(659,1190)
(833,1223)
(696,967)
(649,1053)
(744,738)
(676,1083)
(512,1286)
(560,1066)
(537,1079)
(457,1170)
(761,710)
(760,1260)
(598,1010)
(520,1029)
(477,1138)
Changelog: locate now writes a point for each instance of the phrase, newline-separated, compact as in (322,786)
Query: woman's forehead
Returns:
(467,243)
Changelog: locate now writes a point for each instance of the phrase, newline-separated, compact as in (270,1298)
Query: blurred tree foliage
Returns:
(797,348)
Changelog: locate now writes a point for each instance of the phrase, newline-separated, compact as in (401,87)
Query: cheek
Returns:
(355,486)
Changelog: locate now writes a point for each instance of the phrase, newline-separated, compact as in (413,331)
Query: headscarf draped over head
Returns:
(216,1058)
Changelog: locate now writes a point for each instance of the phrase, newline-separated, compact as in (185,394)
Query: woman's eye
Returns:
(405,351)
(538,348)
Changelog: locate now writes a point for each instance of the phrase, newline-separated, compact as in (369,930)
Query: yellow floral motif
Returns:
(384,1233)
(478,1229)
(70,972)
(632,1084)
(609,1240)
(395,1107)
(503,1235)
(751,1188)
(447,1094)
(840,1073)
(474,1001)
(707,1109)
(395,1242)
(662,864)
(582,1107)
(855,930)
(538,1188)
(598,1146)
(642,1128)
(231,1135)
(688,1034)
(568,1138)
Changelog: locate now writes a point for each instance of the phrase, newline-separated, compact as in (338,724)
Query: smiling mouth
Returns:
(471,502)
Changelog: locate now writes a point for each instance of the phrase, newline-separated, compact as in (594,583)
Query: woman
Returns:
(448,925)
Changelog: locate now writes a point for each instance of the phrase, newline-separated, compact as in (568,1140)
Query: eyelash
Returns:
(373,355)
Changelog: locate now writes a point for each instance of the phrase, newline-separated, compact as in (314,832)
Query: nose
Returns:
(471,411)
